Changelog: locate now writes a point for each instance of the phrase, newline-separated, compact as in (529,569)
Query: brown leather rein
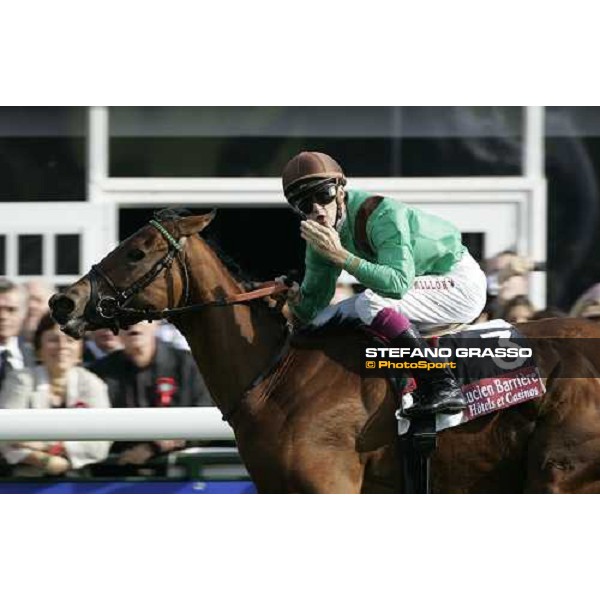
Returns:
(268,288)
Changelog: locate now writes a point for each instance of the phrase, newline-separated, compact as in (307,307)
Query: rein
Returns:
(268,288)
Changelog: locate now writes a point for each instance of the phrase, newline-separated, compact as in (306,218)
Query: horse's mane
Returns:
(239,274)
(171,214)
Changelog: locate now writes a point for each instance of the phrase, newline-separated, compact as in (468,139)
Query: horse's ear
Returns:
(195,224)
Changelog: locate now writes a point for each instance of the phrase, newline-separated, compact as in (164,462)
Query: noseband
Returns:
(107,310)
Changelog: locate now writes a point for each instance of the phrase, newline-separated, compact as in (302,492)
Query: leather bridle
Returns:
(107,310)
(111,310)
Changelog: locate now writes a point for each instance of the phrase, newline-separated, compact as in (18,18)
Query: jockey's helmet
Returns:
(307,166)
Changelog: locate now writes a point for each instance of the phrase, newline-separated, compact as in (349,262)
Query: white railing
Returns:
(126,424)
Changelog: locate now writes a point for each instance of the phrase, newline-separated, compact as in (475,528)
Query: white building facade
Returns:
(59,240)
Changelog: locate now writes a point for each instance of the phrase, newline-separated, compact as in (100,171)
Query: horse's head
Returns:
(146,272)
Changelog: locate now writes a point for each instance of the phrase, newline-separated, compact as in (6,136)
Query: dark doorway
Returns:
(264,242)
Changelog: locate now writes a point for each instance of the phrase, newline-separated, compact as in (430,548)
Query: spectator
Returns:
(507,275)
(513,277)
(14,353)
(58,382)
(588,304)
(99,344)
(167,332)
(150,373)
(518,310)
(38,293)
(494,267)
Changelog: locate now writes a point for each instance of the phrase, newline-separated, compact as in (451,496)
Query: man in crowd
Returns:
(150,373)
(38,293)
(14,353)
(507,278)
(99,344)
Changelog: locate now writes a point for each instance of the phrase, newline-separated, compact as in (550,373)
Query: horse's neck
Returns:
(232,345)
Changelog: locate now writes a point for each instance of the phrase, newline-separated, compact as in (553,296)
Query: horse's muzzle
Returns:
(61,308)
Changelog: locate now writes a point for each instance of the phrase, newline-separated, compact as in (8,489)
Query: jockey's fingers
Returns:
(319,226)
(317,236)
(293,286)
(313,241)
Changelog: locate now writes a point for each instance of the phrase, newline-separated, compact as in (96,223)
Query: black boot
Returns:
(437,389)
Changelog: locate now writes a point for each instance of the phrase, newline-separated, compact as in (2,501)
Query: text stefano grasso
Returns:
(449,353)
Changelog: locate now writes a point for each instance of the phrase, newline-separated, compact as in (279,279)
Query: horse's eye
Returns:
(135,255)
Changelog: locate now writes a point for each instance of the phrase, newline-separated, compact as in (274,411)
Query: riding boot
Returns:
(437,389)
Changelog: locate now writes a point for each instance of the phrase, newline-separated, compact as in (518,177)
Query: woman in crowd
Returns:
(57,382)
(518,310)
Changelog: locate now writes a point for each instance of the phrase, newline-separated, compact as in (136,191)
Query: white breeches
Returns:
(456,297)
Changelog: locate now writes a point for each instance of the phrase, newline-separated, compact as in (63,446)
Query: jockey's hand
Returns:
(293,292)
(325,240)
(293,298)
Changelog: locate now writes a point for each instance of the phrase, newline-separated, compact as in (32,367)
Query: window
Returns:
(30,249)
(42,154)
(67,251)
(367,141)
(56,257)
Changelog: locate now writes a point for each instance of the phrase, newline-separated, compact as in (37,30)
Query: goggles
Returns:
(321,192)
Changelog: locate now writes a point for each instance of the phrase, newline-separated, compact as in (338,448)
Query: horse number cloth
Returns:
(489,385)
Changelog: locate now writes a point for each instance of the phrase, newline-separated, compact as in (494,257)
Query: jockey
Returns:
(413,264)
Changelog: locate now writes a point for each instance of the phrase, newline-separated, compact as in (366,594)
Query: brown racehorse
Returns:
(312,424)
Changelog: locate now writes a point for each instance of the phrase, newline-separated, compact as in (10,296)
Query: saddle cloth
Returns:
(488,385)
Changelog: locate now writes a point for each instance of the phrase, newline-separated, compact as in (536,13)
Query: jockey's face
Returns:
(325,214)
(318,200)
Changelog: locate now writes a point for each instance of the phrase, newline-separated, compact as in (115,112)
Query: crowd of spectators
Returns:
(149,365)
(508,294)
(58,381)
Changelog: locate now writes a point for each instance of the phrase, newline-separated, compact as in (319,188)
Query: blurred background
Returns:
(520,182)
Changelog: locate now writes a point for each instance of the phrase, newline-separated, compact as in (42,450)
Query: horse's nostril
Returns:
(62,306)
